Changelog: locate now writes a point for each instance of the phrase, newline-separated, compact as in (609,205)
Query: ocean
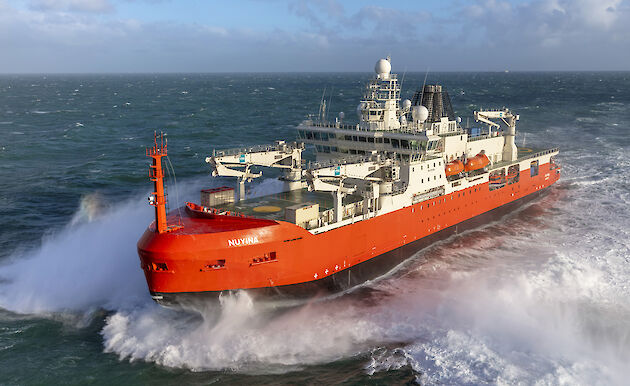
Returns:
(540,296)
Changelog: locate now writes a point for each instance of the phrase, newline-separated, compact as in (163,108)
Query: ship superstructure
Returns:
(379,189)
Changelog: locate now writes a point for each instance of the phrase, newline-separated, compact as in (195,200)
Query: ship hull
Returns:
(351,277)
(281,260)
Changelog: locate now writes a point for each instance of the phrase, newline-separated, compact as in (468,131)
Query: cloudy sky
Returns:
(70,36)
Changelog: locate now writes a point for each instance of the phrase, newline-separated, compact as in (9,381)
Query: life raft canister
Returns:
(477,162)
(454,167)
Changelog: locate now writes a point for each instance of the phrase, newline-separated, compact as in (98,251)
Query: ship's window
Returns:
(379,140)
(319,148)
(348,138)
(385,140)
(404,144)
(309,135)
(352,151)
(326,149)
(354,138)
(533,169)
(317,136)
(461,137)
(395,143)
(434,178)
(422,180)
(371,140)
(362,139)
(333,149)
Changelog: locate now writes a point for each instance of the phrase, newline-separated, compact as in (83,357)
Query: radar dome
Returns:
(406,104)
(342,115)
(419,113)
(383,67)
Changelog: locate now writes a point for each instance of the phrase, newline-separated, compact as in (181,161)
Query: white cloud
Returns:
(487,35)
(89,6)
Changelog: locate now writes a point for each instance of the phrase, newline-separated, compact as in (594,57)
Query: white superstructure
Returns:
(399,153)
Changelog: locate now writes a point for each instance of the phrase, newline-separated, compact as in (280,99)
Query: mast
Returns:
(156,174)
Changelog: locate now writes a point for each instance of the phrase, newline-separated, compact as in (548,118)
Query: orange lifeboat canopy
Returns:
(477,162)
(454,167)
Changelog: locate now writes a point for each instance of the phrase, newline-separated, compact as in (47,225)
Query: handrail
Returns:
(254,149)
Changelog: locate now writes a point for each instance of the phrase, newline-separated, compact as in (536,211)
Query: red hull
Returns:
(225,252)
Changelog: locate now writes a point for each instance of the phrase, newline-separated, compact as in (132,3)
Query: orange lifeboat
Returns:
(477,162)
(454,167)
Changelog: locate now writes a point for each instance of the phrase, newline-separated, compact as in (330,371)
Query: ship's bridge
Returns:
(386,125)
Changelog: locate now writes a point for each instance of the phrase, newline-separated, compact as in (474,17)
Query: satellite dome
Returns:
(406,104)
(419,113)
(383,67)
(342,115)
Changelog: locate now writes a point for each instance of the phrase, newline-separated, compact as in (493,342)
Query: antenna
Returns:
(321,105)
(424,84)
(403,80)
(329,101)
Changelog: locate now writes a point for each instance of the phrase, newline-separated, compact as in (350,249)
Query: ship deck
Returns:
(272,207)
(522,154)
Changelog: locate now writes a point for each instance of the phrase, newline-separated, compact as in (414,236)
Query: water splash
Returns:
(239,335)
(89,264)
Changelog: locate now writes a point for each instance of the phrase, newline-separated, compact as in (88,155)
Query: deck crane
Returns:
(509,119)
(238,163)
(332,176)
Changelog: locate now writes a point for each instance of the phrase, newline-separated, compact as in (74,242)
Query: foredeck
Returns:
(273,206)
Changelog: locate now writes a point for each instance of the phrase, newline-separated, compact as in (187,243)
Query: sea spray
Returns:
(240,335)
(89,264)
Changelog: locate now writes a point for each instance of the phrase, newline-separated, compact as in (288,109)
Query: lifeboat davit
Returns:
(477,162)
(454,167)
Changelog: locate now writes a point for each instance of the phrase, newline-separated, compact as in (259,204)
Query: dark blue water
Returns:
(540,296)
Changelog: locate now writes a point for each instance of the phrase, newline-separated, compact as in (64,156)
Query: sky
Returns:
(148,36)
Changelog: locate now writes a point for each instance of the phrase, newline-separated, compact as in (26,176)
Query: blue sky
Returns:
(78,36)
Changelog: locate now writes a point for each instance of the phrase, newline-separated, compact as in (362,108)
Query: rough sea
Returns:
(540,296)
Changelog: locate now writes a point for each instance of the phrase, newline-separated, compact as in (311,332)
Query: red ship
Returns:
(406,175)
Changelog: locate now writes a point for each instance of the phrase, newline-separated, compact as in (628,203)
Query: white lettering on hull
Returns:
(243,241)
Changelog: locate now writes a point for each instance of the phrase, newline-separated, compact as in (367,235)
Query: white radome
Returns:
(419,113)
(383,67)
(342,115)
(406,104)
